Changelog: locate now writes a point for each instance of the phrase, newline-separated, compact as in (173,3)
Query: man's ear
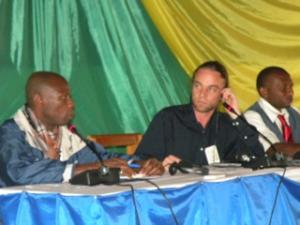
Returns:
(221,96)
(263,92)
(37,99)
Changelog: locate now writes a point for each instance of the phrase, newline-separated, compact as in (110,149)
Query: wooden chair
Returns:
(130,141)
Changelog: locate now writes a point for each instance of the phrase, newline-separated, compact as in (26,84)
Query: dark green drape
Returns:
(120,70)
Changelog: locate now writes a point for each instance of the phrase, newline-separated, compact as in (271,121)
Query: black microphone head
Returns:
(173,168)
(228,107)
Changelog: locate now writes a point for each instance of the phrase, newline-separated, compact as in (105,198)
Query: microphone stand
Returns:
(269,162)
(103,175)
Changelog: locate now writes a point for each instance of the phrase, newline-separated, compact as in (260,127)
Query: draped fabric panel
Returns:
(120,70)
(245,35)
(246,200)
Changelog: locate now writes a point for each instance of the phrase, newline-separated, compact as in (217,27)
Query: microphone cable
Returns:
(276,195)
(260,134)
(229,108)
(163,194)
(133,200)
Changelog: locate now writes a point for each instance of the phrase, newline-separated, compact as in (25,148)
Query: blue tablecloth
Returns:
(241,201)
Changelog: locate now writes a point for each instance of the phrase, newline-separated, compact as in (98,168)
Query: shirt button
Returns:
(201,149)
(235,123)
(245,137)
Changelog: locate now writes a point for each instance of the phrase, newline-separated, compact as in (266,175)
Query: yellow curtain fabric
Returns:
(244,35)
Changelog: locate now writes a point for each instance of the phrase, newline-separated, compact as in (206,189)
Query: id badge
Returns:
(212,155)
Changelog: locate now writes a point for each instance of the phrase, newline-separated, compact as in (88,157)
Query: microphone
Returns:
(104,169)
(187,167)
(231,109)
(268,162)
(103,175)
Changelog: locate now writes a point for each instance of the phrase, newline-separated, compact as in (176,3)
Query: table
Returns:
(226,196)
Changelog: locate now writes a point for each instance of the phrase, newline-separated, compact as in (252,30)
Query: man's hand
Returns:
(149,167)
(169,160)
(84,167)
(152,167)
(231,100)
(114,162)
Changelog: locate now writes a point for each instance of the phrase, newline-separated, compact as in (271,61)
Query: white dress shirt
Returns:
(256,120)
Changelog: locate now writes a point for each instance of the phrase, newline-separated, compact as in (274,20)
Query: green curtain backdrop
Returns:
(246,35)
(120,70)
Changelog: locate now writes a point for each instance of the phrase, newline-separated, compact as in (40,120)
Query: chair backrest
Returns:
(130,141)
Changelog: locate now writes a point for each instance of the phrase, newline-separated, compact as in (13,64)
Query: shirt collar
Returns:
(271,111)
(37,125)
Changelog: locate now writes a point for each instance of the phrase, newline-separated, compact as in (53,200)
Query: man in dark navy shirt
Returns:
(198,132)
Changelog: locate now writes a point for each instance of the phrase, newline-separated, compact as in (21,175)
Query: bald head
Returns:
(39,83)
(49,97)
